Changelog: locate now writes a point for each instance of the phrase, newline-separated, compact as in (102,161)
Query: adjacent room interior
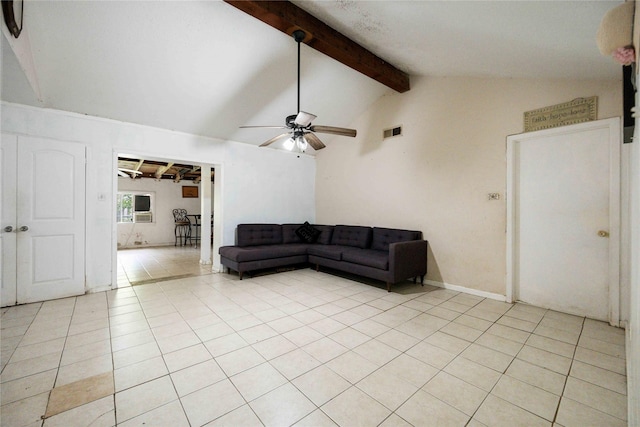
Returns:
(158,204)
(499,134)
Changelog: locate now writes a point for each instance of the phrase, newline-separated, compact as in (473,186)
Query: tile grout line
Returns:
(285,289)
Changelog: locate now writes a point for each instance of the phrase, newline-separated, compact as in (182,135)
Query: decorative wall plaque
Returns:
(189,191)
(577,111)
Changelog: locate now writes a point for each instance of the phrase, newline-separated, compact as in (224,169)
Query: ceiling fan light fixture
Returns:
(302,143)
(289,144)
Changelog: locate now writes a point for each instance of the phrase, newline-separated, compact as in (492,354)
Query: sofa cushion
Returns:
(308,233)
(326,233)
(368,257)
(289,233)
(326,251)
(351,235)
(259,234)
(255,253)
(383,236)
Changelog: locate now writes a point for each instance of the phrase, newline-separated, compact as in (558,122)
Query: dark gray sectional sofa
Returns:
(386,254)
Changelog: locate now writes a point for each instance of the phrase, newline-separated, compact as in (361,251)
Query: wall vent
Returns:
(143,217)
(391,132)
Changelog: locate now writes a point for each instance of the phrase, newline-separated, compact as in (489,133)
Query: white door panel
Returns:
(8,159)
(564,218)
(49,209)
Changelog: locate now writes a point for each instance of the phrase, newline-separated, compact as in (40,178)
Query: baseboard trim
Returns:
(471,291)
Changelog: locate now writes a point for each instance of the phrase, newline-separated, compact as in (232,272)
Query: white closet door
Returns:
(46,187)
(564,212)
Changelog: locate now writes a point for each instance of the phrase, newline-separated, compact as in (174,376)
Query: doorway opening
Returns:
(147,245)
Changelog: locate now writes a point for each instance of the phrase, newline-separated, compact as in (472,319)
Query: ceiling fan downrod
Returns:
(298,36)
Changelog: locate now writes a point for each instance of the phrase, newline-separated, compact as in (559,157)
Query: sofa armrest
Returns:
(407,259)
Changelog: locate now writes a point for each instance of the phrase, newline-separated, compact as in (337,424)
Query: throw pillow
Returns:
(307,233)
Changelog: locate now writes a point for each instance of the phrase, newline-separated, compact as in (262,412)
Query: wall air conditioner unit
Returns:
(142,217)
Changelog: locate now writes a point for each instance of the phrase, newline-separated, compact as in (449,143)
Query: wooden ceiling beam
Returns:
(287,17)
(162,169)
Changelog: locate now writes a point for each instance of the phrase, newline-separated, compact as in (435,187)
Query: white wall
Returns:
(437,176)
(633,325)
(167,196)
(252,184)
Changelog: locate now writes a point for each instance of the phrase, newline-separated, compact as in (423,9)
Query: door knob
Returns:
(24,228)
(603,233)
(8,229)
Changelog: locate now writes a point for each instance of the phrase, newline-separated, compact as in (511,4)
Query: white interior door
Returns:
(8,159)
(563,200)
(49,235)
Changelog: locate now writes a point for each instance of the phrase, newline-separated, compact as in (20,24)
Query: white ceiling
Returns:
(207,68)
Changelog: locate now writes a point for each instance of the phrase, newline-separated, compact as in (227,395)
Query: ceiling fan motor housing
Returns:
(289,121)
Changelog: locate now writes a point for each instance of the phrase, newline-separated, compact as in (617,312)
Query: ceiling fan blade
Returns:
(314,141)
(264,127)
(304,119)
(135,172)
(274,139)
(123,174)
(333,130)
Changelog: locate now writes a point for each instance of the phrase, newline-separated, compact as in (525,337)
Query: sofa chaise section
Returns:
(262,246)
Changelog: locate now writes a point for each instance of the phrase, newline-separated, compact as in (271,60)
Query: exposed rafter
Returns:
(162,169)
(137,168)
(144,168)
(287,17)
(182,172)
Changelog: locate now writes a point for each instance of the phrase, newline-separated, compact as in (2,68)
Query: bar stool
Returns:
(196,227)
(182,229)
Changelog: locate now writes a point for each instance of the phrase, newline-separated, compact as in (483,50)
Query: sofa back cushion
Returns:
(326,233)
(259,234)
(383,236)
(289,234)
(351,235)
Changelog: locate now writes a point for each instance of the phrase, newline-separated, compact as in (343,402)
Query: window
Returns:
(134,207)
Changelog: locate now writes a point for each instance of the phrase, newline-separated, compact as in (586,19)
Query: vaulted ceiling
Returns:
(206,68)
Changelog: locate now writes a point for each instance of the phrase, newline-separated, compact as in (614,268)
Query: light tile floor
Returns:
(144,265)
(307,349)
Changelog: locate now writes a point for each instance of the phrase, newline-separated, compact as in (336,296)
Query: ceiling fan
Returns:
(123,172)
(300,130)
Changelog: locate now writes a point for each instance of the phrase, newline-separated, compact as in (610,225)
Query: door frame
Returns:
(8,217)
(615,140)
(217,204)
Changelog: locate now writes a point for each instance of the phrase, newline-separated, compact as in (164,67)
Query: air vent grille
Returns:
(391,132)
